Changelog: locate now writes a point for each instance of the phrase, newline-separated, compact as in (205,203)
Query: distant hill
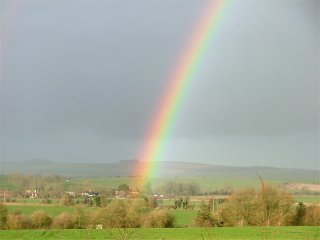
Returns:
(165,169)
(37,161)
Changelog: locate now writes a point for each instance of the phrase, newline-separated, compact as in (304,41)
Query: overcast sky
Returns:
(80,81)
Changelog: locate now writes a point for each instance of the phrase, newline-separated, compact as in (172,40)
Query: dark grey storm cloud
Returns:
(80,81)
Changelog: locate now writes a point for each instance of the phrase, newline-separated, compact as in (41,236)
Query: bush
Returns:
(312,216)
(269,206)
(40,219)
(121,214)
(81,218)
(158,219)
(67,200)
(64,221)
(113,216)
(136,209)
(3,216)
(18,221)
(300,213)
(204,217)
(46,201)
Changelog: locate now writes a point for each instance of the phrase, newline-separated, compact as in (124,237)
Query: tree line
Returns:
(134,213)
(248,207)
(269,206)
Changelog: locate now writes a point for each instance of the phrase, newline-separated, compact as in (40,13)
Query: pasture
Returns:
(307,198)
(243,233)
(206,184)
(52,210)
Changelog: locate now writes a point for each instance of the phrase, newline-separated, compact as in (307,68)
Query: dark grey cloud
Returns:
(81,81)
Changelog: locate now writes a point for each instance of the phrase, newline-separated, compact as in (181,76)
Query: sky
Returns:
(80,81)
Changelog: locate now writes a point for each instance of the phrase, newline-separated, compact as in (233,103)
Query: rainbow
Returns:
(166,113)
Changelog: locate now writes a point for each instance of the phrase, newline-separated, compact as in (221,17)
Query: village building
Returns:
(89,194)
(32,193)
(72,194)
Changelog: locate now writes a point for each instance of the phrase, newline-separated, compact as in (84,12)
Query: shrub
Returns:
(300,213)
(136,209)
(121,214)
(312,216)
(113,216)
(18,221)
(40,219)
(158,219)
(64,221)
(46,201)
(269,206)
(204,217)
(3,216)
(67,200)
(80,218)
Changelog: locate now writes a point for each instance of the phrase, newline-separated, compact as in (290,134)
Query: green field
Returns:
(205,183)
(307,199)
(51,210)
(248,233)
(184,218)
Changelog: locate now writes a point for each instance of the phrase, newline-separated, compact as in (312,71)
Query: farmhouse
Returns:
(126,194)
(32,193)
(72,194)
(89,194)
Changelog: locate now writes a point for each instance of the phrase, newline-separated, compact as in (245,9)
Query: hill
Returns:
(165,169)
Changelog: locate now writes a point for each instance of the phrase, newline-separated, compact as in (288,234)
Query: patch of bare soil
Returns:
(303,187)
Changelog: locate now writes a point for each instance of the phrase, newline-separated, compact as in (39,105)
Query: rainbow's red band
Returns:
(183,74)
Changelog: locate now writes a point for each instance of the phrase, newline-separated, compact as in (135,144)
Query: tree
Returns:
(40,219)
(114,215)
(268,206)
(64,221)
(88,201)
(153,202)
(158,219)
(312,216)
(18,221)
(204,217)
(173,189)
(193,189)
(240,209)
(178,203)
(67,200)
(123,187)
(80,218)
(97,201)
(300,213)
(275,205)
(3,216)
(122,214)
(137,208)
(185,202)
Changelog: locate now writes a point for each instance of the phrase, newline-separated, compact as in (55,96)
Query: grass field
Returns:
(51,210)
(307,199)
(248,233)
(184,218)
(205,183)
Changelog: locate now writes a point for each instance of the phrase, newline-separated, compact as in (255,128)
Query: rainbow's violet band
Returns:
(173,97)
